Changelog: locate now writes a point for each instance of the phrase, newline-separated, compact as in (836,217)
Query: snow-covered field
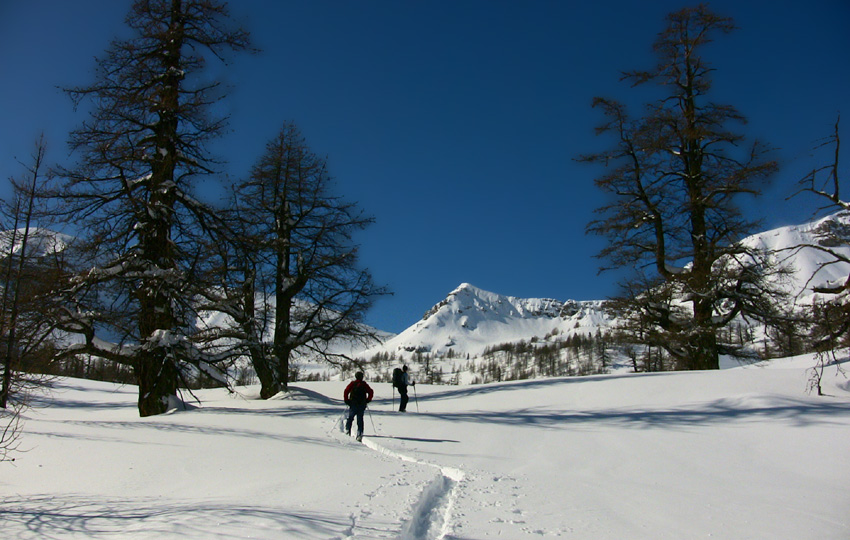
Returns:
(741,453)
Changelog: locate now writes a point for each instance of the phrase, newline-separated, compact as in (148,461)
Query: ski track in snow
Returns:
(431,515)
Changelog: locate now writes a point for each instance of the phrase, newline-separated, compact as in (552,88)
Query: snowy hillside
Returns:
(741,453)
(811,266)
(40,242)
(469,320)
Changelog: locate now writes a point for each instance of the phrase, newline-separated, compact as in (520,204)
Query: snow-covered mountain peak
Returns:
(470,299)
(471,319)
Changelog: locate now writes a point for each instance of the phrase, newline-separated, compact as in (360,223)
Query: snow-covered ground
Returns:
(741,453)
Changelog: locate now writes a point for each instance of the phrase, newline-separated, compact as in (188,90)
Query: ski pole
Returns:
(415,399)
(372,420)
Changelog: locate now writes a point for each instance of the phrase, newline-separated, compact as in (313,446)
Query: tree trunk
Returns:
(282,354)
(280,350)
(157,371)
(269,383)
(703,344)
(157,377)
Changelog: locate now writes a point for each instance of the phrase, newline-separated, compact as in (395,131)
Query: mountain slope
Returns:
(811,266)
(469,320)
(40,242)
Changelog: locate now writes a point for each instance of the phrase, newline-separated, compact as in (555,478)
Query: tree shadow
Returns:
(513,386)
(414,439)
(50,516)
(169,427)
(797,412)
(53,396)
(296,395)
(303,394)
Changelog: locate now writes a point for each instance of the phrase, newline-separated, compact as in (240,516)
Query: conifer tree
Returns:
(141,153)
(675,177)
(303,258)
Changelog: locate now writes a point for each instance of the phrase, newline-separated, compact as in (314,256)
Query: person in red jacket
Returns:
(357,395)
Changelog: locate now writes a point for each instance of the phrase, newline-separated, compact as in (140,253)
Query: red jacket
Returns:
(354,384)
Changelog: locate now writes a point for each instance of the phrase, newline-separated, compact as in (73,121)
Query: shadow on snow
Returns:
(49,516)
(798,413)
(414,439)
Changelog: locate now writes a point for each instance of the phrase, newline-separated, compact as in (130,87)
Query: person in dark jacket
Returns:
(357,395)
(402,389)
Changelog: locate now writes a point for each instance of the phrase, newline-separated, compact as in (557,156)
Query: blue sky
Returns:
(456,123)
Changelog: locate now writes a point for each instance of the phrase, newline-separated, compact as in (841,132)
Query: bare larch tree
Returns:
(30,266)
(130,195)
(675,177)
(303,263)
(830,315)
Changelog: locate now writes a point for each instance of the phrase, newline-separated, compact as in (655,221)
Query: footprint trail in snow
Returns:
(431,515)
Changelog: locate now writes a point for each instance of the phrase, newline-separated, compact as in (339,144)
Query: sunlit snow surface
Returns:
(732,454)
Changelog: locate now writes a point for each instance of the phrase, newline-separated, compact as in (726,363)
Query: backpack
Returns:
(358,394)
(397,377)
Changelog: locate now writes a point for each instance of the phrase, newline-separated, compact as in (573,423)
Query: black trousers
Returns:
(355,410)
(402,391)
